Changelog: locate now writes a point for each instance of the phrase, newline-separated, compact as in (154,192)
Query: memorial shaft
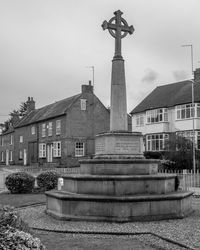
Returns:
(118,113)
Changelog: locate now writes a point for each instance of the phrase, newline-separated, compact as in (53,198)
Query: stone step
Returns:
(67,206)
(119,185)
(118,166)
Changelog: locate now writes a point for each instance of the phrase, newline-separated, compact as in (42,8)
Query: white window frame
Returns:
(83,104)
(185,111)
(11,155)
(43,129)
(58,127)
(11,139)
(20,154)
(42,150)
(140,120)
(33,130)
(50,128)
(157,115)
(156,142)
(21,138)
(57,149)
(79,149)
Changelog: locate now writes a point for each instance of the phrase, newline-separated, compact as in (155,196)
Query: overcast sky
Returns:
(46,46)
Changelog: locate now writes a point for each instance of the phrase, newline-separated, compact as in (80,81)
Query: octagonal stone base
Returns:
(68,206)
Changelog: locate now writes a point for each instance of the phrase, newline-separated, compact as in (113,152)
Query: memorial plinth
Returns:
(118,184)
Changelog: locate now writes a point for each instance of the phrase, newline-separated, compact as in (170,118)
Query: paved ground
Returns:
(61,241)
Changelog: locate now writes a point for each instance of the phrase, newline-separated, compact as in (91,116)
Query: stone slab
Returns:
(119,185)
(119,166)
(119,145)
(118,209)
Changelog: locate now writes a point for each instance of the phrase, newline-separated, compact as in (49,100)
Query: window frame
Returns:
(21,139)
(156,142)
(83,104)
(50,128)
(57,149)
(156,116)
(79,149)
(58,127)
(43,129)
(42,150)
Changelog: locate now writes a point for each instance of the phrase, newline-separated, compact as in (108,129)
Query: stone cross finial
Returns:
(118,30)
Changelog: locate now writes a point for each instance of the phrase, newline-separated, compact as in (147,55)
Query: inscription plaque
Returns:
(125,145)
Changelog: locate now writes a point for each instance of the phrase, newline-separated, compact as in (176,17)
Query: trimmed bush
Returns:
(48,180)
(20,182)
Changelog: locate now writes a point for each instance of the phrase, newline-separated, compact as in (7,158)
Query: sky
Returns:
(46,47)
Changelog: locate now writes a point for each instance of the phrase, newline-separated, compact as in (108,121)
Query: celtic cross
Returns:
(118,30)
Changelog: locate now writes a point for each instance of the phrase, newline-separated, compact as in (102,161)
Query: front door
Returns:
(49,152)
(33,152)
(7,157)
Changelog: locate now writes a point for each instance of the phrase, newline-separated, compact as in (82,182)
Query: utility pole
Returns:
(193,131)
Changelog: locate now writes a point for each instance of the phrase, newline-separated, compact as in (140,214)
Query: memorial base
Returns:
(119,145)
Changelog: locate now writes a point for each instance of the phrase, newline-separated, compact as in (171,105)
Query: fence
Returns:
(189,181)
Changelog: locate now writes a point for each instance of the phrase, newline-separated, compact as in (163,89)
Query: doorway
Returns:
(49,152)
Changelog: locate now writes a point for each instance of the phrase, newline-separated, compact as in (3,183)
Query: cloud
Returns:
(179,75)
(149,76)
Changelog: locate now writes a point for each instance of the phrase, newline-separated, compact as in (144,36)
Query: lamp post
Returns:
(193,131)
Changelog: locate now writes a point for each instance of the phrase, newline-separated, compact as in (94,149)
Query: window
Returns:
(20,154)
(185,111)
(157,115)
(11,155)
(139,120)
(83,104)
(43,130)
(11,139)
(42,150)
(2,141)
(156,142)
(57,149)
(33,130)
(79,149)
(21,138)
(58,127)
(50,129)
(2,156)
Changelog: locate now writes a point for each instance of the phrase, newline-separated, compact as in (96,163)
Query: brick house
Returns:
(168,111)
(7,147)
(61,133)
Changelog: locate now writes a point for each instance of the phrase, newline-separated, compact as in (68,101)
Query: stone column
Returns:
(118,109)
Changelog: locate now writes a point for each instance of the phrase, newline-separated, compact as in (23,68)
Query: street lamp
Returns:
(192,81)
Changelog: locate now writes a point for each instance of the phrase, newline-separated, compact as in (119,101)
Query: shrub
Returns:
(10,217)
(12,238)
(152,155)
(48,180)
(20,182)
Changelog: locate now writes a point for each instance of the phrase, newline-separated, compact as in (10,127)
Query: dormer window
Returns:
(83,104)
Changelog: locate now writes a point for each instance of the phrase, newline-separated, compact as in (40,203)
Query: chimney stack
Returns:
(30,104)
(87,88)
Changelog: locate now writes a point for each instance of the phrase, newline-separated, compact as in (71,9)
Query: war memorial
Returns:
(118,184)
